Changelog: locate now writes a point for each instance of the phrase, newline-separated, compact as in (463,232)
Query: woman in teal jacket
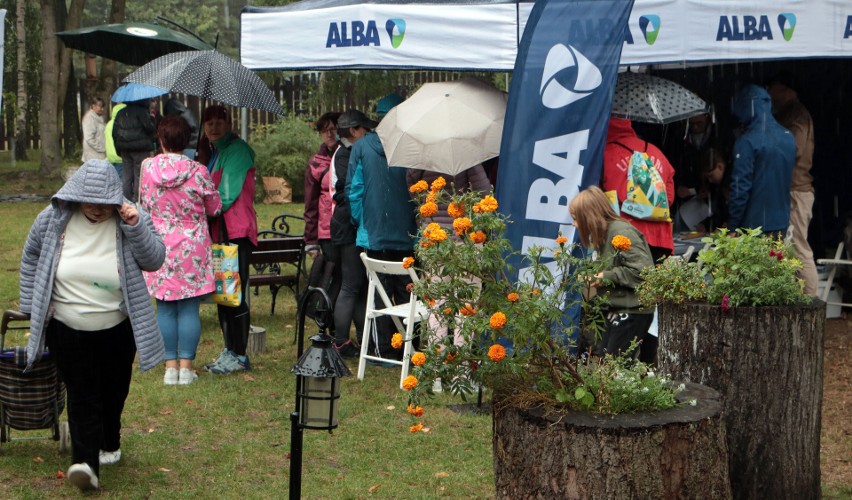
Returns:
(231,164)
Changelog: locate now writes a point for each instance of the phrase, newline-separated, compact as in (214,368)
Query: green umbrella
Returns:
(130,43)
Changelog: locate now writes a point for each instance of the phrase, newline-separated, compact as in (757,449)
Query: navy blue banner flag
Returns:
(557,115)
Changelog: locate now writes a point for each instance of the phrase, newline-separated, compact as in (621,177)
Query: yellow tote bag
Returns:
(226,275)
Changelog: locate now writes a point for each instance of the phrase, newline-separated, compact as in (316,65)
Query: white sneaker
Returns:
(82,476)
(109,457)
(171,376)
(187,376)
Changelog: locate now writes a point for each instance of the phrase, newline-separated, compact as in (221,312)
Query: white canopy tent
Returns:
(484,34)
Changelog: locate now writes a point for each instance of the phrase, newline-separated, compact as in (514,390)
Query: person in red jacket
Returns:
(621,142)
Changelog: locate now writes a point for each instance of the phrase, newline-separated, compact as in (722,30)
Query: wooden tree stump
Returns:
(677,453)
(256,340)
(767,363)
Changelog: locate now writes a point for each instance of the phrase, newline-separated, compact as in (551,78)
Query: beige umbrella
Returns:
(445,127)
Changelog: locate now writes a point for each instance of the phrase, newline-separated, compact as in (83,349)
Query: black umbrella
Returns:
(210,74)
(130,43)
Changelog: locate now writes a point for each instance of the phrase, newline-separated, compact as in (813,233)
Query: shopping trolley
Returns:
(31,400)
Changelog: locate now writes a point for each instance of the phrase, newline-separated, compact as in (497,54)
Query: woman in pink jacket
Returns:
(180,195)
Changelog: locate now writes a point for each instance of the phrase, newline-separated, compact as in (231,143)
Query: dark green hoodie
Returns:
(623,268)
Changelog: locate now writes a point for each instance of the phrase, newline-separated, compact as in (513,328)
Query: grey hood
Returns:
(94,182)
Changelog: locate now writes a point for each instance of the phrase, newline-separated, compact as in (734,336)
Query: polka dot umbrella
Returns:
(650,99)
(209,74)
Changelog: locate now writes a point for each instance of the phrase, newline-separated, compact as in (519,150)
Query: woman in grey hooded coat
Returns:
(82,285)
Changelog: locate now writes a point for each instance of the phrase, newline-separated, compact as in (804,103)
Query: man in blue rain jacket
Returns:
(764,157)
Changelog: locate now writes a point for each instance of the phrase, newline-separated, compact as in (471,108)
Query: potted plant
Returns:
(737,320)
(515,339)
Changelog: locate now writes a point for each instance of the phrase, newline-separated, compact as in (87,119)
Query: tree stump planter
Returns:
(677,453)
(767,363)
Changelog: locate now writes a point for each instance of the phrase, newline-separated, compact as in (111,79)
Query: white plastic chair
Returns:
(404,316)
(831,265)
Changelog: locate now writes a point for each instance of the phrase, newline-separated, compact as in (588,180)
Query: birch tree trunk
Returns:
(21,133)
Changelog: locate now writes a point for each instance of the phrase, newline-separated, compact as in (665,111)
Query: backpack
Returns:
(646,191)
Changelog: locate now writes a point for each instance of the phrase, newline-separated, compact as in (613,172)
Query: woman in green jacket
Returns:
(624,252)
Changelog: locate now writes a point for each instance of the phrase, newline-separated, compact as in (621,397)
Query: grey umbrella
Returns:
(650,99)
(209,74)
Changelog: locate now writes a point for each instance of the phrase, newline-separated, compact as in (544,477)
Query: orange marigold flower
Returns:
(450,357)
(455,210)
(415,410)
(498,320)
(497,353)
(438,235)
(467,310)
(419,187)
(621,243)
(477,208)
(396,340)
(407,262)
(431,302)
(448,311)
(513,297)
(561,240)
(416,428)
(536,292)
(426,244)
(409,382)
(477,237)
(488,204)
(438,184)
(461,225)
(418,358)
(428,209)
(432,196)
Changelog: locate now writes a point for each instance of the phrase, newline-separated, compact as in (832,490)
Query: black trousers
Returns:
(96,368)
(621,329)
(236,321)
(351,303)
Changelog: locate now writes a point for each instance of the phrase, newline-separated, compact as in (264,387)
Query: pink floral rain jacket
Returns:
(180,195)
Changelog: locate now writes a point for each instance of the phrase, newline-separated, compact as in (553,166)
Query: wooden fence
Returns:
(297,94)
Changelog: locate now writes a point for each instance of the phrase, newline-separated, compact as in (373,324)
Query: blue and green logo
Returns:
(650,26)
(396,31)
(787,23)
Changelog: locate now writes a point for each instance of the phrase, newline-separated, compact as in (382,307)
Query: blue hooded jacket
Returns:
(764,157)
(378,197)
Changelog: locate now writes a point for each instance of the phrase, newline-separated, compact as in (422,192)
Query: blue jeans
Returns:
(180,326)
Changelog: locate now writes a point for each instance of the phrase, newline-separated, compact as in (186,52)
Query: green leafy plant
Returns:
(283,150)
(748,269)
(511,336)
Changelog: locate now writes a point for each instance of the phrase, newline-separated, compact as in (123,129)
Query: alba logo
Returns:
(787,23)
(572,67)
(396,31)
(650,26)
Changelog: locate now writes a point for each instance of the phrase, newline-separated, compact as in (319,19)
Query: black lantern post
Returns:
(318,371)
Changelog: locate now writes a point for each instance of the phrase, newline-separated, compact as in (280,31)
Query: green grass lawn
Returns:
(229,437)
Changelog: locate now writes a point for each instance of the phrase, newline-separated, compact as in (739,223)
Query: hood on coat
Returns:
(619,128)
(169,174)
(94,182)
(115,109)
(751,104)
(371,140)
